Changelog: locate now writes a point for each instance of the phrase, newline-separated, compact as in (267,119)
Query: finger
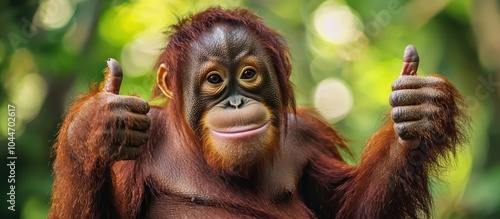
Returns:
(138,122)
(417,82)
(415,96)
(410,61)
(134,121)
(130,138)
(412,129)
(141,106)
(406,113)
(413,113)
(113,77)
(131,103)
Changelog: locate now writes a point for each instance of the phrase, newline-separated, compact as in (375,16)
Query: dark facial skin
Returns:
(226,52)
(231,95)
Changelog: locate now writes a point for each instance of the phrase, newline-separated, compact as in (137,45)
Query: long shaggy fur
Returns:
(390,182)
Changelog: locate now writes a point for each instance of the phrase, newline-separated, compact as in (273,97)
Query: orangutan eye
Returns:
(248,74)
(214,79)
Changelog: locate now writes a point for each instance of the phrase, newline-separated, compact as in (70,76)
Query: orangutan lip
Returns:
(241,131)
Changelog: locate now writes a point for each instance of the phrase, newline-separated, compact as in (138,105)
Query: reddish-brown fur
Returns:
(388,183)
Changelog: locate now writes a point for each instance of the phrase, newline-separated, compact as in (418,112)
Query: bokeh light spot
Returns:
(139,56)
(336,23)
(333,99)
(29,95)
(54,14)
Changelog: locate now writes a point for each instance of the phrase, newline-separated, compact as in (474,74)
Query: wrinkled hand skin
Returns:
(424,108)
(123,124)
(417,105)
(116,124)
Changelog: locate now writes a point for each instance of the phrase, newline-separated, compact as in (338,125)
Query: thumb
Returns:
(113,77)
(410,61)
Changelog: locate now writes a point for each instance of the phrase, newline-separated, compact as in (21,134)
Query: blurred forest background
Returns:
(346,55)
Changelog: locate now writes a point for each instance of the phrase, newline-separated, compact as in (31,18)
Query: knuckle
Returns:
(405,83)
(396,113)
(400,128)
(394,98)
(396,84)
(404,130)
(139,122)
(144,105)
(137,104)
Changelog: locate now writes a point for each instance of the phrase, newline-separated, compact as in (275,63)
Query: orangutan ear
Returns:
(161,80)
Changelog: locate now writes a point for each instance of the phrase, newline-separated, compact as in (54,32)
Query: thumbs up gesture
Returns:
(112,126)
(422,106)
(127,116)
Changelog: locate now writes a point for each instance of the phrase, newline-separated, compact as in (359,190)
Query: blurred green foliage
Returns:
(50,51)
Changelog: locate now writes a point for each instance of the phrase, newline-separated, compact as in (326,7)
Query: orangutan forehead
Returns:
(226,42)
